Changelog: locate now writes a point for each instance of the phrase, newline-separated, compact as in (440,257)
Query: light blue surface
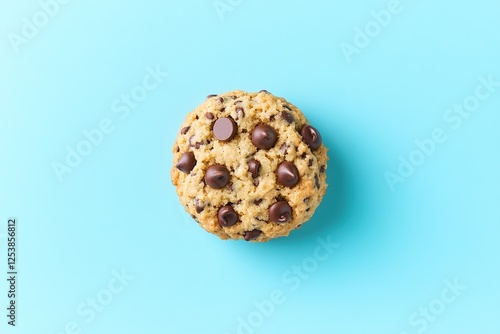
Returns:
(398,249)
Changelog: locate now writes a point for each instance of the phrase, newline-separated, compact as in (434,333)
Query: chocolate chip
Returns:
(280,212)
(264,136)
(306,200)
(310,163)
(264,91)
(225,129)
(209,115)
(223,109)
(211,95)
(303,155)
(322,169)
(254,167)
(272,118)
(252,235)
(311,137)
(284,148)
(288,174)
(221,99)
(217,176)
(227,216)
(256,182)
(287,117)
(240,113)
(257,201)
(185,130)
(186,162)
(316,180)
(193,143)
(199,206)
(237,102)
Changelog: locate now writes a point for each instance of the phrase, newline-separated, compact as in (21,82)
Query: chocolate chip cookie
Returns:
(249,166)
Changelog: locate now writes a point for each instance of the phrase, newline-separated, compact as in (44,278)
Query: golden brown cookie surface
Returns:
(249,166)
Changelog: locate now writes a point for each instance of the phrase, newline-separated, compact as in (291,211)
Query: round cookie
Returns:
(249,166)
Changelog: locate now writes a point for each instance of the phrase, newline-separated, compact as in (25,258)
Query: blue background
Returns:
(117,210)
